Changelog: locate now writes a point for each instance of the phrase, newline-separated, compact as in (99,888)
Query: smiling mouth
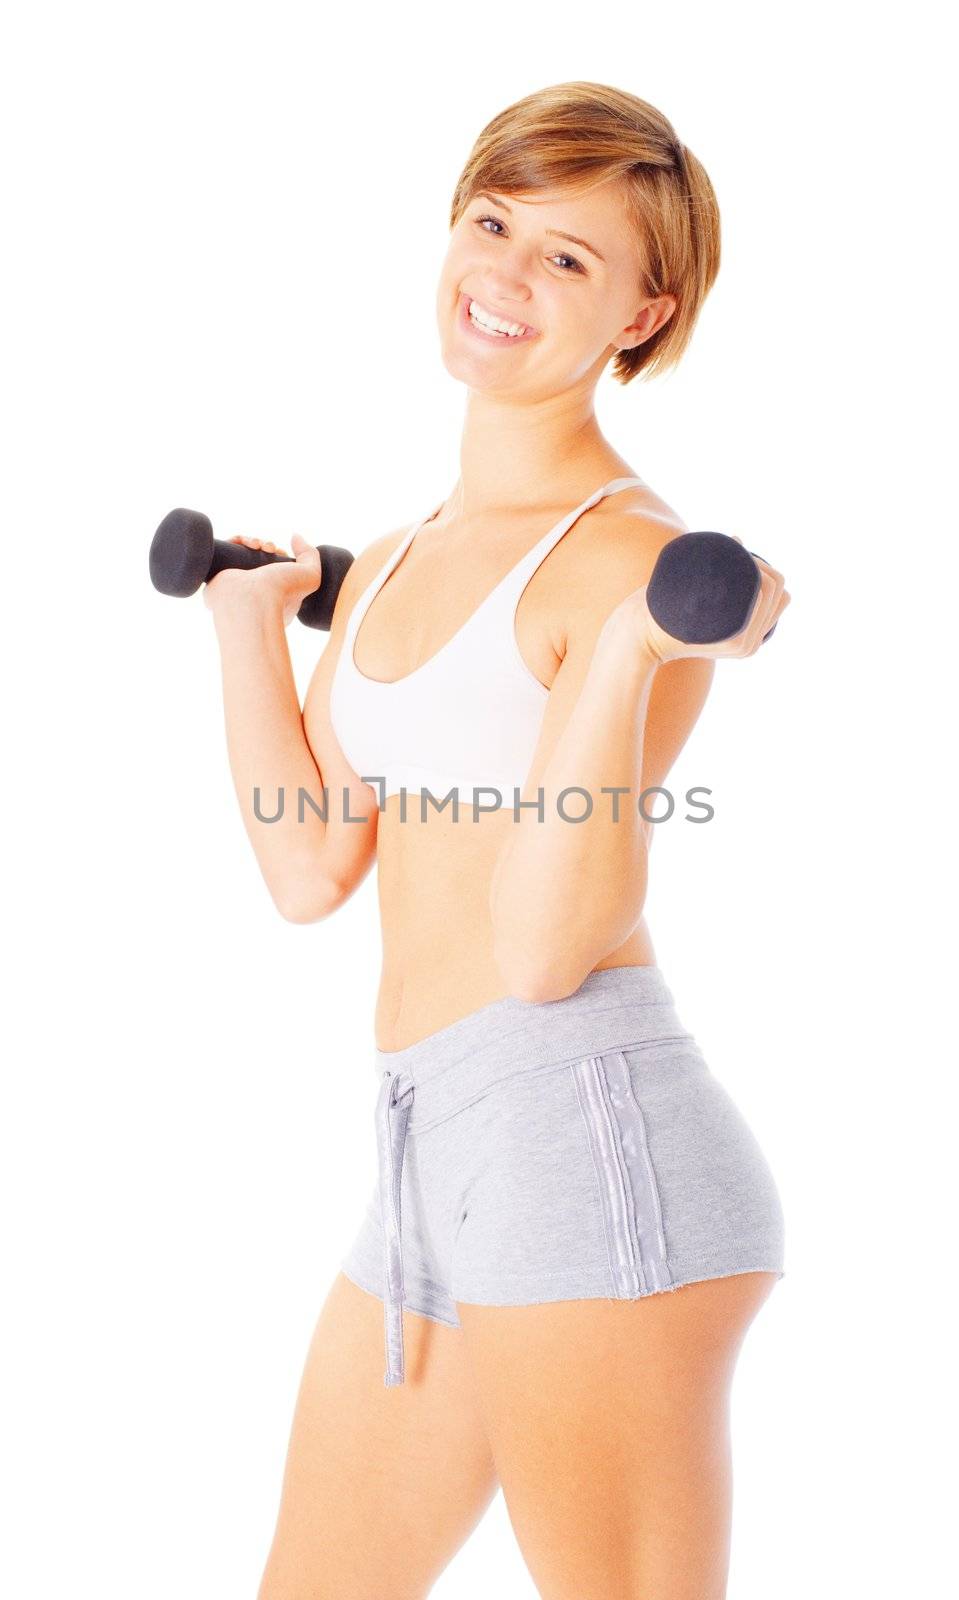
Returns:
(497,327)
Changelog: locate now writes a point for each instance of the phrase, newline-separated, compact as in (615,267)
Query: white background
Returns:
(225,225)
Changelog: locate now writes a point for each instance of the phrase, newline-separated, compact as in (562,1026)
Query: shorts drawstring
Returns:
(392,1114)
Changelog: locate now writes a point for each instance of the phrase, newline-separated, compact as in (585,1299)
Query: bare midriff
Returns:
(434,879)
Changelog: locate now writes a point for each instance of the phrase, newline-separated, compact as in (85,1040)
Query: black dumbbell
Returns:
(703,588)
(185,554)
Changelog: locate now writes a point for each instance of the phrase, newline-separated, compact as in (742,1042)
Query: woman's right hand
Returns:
(283,583)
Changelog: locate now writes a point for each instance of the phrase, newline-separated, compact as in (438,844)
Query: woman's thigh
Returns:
(609,1425)
(381,1485)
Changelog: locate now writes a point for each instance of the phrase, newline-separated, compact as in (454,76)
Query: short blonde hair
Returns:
(578,135)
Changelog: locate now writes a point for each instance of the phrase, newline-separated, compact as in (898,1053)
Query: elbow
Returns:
(292,911)
(303,904)
(536,982)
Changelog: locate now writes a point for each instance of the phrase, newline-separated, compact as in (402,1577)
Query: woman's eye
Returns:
(574,265)
(481,220)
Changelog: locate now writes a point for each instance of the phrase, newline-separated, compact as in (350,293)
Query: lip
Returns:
(489,338)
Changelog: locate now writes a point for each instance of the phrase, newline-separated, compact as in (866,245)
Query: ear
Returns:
(652,316)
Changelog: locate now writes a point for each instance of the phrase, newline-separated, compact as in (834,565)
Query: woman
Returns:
(555,1153)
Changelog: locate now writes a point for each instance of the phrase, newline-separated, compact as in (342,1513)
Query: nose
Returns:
(509,286)
(506,296)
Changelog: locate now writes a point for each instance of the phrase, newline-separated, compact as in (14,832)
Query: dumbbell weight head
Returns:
(703,588)
(181,553)
(317,608)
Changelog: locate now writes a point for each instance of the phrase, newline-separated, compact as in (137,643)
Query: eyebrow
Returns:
(570,236)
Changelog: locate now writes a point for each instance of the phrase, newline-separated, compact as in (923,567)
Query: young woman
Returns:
(555,1154)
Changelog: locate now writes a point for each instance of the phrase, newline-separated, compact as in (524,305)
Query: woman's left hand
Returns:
(633,621)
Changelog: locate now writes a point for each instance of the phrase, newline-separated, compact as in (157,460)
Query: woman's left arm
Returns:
(570,882)
(566,891)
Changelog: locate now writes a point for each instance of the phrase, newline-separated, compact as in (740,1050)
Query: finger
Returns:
(766,609)
(784,600)
(783,603)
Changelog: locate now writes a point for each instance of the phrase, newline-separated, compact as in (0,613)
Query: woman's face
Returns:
(566,269)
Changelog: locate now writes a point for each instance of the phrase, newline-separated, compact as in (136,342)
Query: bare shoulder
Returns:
(615,550)
(623,542)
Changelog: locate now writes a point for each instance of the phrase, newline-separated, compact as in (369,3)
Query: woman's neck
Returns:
(514,456)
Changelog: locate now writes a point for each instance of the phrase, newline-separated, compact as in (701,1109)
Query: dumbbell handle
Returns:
(184,554)
(703,588)
(316,609)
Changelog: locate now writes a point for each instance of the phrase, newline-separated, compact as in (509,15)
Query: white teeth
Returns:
(493,324)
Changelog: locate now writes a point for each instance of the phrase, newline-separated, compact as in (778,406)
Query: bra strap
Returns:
(525,568)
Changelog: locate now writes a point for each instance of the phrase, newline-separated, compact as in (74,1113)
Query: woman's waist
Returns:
(436,972)
(613,1008)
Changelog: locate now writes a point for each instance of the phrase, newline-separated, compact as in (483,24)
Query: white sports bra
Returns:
(469,717)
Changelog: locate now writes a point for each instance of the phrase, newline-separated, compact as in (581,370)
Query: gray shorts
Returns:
(568,1150)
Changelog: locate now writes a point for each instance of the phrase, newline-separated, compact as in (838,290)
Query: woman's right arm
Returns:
(311,866)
